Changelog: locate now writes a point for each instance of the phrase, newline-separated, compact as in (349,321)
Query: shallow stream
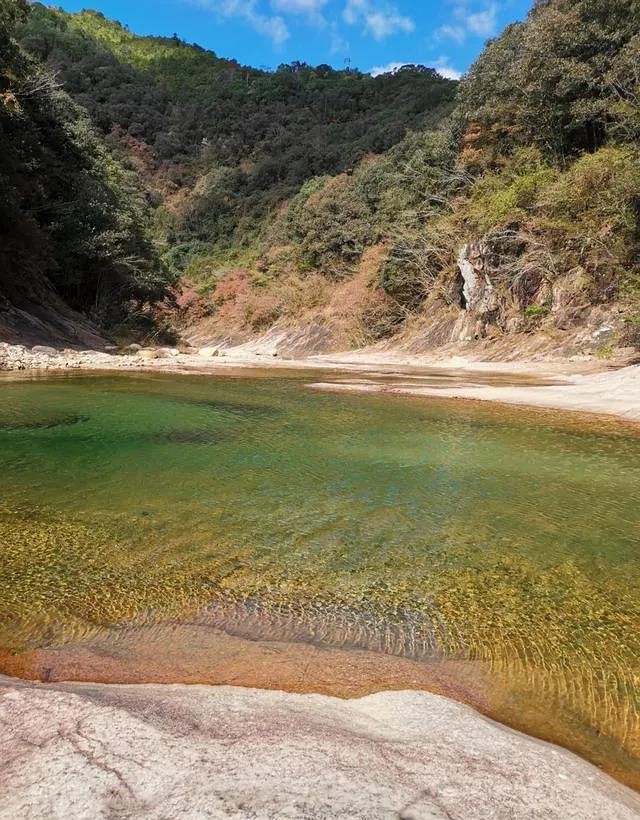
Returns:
(502,542)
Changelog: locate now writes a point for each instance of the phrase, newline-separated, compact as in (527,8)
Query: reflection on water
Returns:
(432,531)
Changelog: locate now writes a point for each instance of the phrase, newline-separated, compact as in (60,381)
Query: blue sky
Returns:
(373,34)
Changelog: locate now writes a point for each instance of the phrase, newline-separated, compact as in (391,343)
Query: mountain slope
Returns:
(511,227)
(74,227)
(225,144)
(503,213)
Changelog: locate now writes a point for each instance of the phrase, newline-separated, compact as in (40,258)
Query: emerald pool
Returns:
(422,529)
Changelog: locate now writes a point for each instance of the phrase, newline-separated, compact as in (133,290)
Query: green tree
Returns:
(72,218)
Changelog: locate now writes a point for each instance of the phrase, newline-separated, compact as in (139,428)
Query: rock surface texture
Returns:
(95,751)
(477,290)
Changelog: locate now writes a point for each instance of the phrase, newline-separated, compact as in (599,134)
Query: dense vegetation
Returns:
(71,216)
(539,165)
(308,192)
(239,140)
(540,159)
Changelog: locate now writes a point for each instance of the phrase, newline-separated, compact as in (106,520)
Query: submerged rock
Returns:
(47,424)
(88,750)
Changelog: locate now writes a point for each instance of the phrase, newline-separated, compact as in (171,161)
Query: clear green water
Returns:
(411,527)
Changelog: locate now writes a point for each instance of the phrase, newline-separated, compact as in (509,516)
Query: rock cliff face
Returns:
(478,292)
(491,316)
(478,301)
(485,312)
(46,320)
(80,751)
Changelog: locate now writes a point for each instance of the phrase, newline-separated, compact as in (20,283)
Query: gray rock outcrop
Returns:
(90,751)
(478,292)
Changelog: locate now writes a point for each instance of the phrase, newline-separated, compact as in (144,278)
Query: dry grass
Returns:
(356,308)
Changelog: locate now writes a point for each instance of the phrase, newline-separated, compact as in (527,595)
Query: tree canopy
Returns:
(71,215)
(241,140)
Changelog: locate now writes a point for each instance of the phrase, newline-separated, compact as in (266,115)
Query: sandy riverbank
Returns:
(92,750)
(583,385)
(612,393)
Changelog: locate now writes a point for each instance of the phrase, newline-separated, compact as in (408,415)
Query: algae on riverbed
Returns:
(412,528)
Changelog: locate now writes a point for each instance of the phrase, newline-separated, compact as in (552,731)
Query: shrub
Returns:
(593,211)
(537,311)
(511,194)
(600,193)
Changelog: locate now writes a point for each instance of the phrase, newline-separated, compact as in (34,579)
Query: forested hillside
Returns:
(74,222)
(516,216)
(402,206)
(223,144)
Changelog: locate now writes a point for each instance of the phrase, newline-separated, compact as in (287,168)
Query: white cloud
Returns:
(310,8)
(272,26)
(452,32)
(379,22)
(480,23)
(382,24)
(353,10)
(298,6)
(390,68)
(338,44)
(445,69)
(442,66)
(484,23)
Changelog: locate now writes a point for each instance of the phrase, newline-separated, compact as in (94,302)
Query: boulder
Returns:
(602,333)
